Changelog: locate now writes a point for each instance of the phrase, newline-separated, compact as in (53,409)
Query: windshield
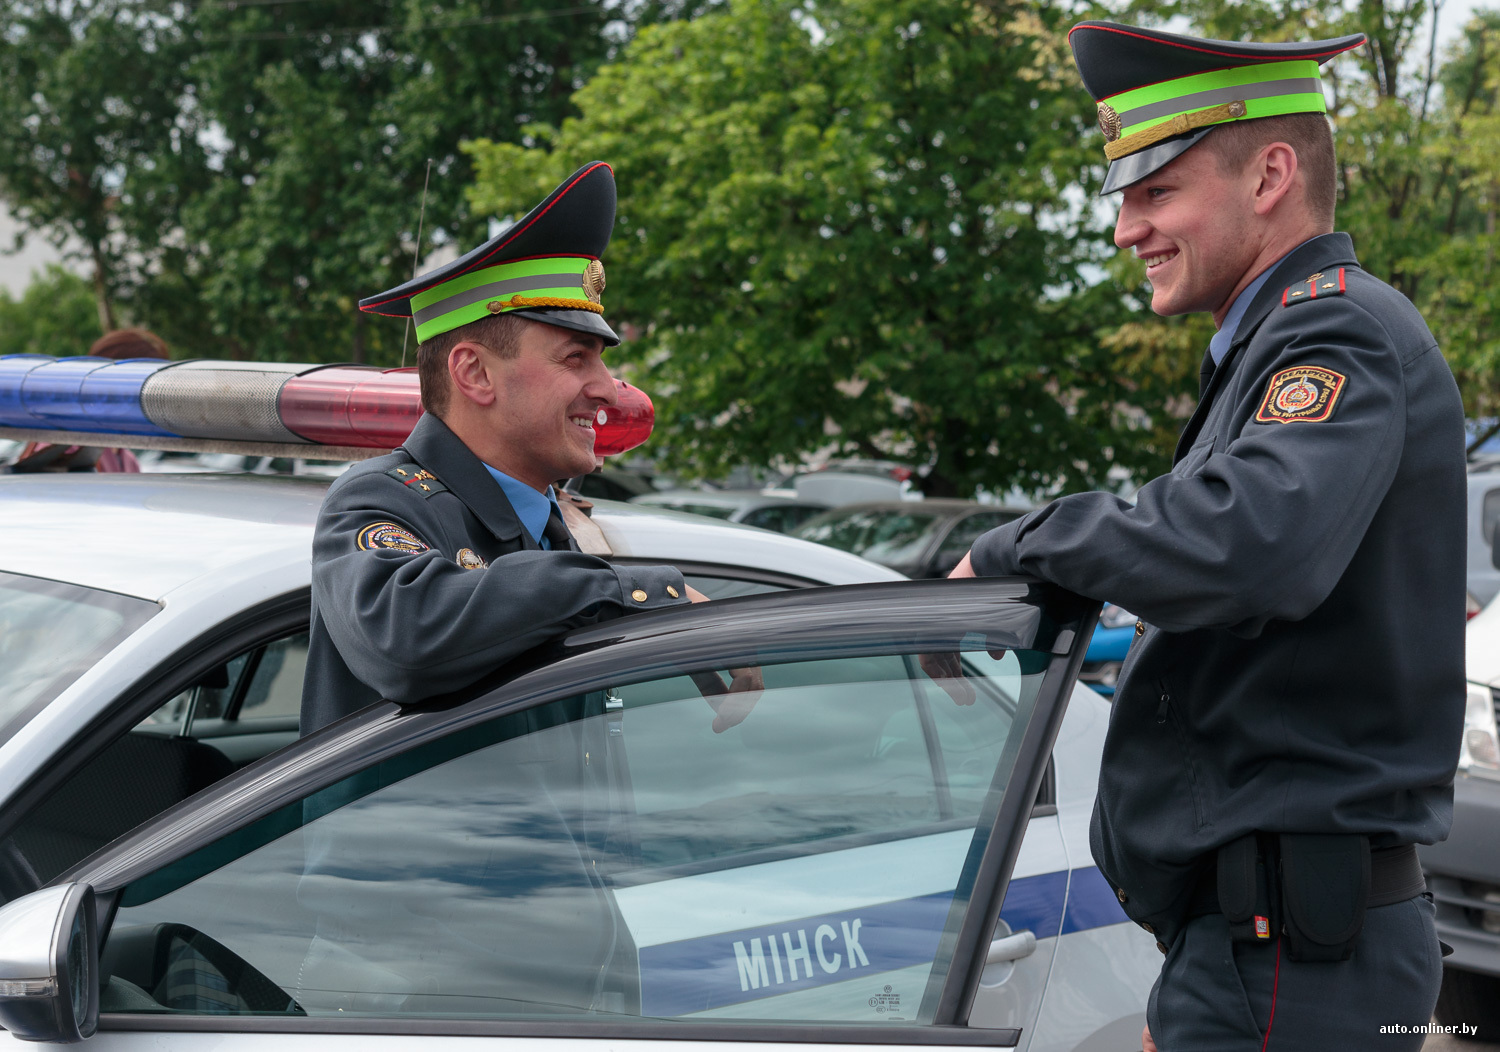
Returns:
(50,634)
(893,538)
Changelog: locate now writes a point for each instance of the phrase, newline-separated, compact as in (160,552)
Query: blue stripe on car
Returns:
(712,971)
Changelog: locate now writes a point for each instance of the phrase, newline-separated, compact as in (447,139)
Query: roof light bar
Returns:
(241,405)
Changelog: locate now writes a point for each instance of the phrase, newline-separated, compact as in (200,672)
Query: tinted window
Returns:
(609,854)
(1489,515)
(782,518)
(890,537)
(968,530)
(50,634)
(238,712)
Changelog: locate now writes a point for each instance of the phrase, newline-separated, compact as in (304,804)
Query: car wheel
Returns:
(1467,997)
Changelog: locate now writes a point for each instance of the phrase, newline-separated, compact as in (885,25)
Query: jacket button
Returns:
(639,595)
(1140,628)
(1120,894)
(1148,929)
(1162,947)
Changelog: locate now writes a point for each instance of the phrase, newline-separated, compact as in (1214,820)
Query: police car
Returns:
(566,850)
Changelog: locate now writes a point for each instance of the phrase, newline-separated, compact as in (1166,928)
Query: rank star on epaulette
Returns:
(419,479)
(1316,287)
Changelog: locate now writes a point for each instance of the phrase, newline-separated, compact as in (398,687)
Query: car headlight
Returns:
(1480,752)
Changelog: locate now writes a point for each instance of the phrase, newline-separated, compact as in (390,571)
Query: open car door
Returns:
(617,844)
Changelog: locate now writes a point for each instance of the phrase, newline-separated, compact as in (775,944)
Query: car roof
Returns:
(145,535)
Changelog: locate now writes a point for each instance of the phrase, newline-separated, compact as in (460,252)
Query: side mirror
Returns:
(49,954)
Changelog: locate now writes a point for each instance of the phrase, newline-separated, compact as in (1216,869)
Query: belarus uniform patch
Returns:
(388,535)
(1303,392)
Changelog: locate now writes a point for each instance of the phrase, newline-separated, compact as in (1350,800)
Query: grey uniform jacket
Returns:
(1301,571)
(402,608)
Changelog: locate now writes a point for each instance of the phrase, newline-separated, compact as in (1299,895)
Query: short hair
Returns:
(501,333)
(1235,142)
(130,343)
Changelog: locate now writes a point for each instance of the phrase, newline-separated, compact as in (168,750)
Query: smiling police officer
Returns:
(1285,727)
(439,562)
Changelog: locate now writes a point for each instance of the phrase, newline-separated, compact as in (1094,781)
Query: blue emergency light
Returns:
(267,403)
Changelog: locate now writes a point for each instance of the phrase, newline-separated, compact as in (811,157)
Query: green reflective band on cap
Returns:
(556,280)
(1267,89)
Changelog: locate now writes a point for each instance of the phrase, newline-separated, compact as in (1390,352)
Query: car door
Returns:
(615,845)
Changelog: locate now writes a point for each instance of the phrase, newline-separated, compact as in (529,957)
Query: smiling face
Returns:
(1196,228)
(540,426)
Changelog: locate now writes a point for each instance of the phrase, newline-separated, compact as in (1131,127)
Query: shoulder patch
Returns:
(1318,286)
(1303,392)
(388,535)
(419,479)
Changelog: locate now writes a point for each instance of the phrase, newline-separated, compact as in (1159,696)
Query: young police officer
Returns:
(437,563)
(1286,725)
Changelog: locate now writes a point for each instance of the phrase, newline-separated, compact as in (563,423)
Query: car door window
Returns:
(240,711)
(613,854)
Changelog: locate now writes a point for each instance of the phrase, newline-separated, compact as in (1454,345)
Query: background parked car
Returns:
(1463,872)
(919,538)
(747,507)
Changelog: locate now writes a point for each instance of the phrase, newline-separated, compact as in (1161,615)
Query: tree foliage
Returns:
(96,148)
(54,315)
(241,174)
(864,223)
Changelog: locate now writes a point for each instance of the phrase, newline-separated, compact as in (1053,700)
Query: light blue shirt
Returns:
(531,507)
(1219,345)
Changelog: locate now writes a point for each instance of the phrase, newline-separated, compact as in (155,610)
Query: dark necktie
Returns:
(1206,373)
(555,533)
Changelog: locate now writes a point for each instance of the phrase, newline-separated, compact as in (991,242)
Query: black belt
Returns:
(1395,876)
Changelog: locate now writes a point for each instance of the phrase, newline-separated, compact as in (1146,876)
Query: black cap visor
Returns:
(1136,166)
(578,320)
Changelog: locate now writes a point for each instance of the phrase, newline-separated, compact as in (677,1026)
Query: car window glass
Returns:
(185,745)
(50,634)
(728,587)
(608,854)
(275,687)
(780,517)
(968,530)
(1489,515)
(889,537)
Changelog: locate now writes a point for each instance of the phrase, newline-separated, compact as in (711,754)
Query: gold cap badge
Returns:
(593,281)
(1109,122)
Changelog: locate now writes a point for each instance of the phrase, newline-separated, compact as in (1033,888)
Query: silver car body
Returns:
(208,548)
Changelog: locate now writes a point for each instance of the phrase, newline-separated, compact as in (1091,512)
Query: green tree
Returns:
(864,222)
(325,116)
(54,315)
(94,142)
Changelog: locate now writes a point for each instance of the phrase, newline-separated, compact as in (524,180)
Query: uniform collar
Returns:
(532,508)
(1315,254)
(432,445)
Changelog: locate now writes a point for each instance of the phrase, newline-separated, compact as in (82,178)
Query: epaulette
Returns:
(1315,287)
(421,479)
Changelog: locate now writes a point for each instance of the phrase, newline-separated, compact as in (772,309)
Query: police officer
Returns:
(437,563)
(1286,724)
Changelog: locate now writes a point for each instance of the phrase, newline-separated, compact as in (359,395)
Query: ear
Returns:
(471,371)
(1276,170)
